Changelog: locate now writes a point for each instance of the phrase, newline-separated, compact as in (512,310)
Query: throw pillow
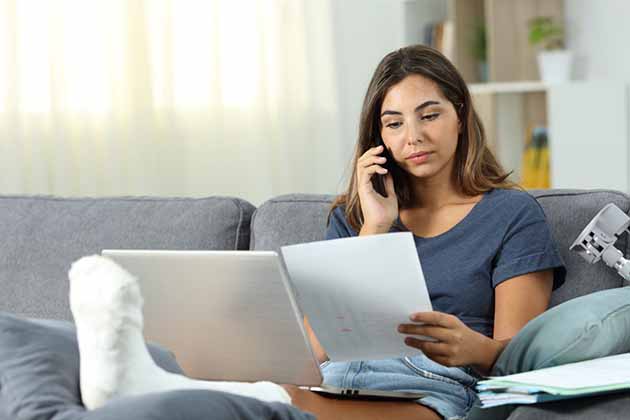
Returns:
(584,328)
(39,380)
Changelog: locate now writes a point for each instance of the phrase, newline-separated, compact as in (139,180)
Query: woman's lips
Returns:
(419,158)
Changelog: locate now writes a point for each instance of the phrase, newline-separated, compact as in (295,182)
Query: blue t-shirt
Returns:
(504,235)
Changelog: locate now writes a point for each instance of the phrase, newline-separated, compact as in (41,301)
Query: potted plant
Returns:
(554,61)
(478,44)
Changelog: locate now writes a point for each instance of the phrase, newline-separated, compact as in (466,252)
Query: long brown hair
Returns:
(476,170)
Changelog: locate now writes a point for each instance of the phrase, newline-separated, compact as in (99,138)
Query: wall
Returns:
(363,32)
(598,32)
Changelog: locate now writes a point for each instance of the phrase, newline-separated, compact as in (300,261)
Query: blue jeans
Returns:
(449,390)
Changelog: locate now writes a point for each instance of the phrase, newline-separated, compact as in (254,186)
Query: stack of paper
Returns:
(591,377)
(356,291)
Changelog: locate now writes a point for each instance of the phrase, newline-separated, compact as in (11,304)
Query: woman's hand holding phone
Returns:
(379,212)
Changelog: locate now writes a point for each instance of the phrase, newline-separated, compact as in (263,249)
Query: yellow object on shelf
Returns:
(535,167)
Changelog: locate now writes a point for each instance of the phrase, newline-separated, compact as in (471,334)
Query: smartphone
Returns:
(378,180)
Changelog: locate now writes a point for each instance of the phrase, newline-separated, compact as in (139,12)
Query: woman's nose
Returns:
(414,133)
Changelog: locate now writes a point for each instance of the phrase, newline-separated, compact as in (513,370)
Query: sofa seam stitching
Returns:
(240,222)
(115,198)
(612,192)
(296,201)
(252,235)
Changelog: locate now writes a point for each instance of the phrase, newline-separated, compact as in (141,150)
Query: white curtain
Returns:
(168,97)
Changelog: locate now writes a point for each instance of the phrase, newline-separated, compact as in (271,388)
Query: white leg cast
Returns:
(107,307)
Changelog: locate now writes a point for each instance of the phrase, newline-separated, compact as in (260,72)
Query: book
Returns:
(574,380)
(535,165)
(441,36)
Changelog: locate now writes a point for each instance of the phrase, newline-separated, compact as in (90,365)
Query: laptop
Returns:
(230,316)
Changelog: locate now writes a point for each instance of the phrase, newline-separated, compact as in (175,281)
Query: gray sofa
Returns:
(41,236)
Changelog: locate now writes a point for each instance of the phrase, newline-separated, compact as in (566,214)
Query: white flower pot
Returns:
(555,66)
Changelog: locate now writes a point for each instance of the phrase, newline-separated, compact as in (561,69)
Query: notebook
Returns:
(574,380)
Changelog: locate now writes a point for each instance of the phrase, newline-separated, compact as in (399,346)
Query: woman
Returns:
(422,165)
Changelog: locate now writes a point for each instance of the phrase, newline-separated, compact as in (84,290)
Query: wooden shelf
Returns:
(513,100)
(507,87)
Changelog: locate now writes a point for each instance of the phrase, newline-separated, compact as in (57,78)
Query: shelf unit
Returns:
(509,55)
(589,141)
(588,121)
(507,87)
(513,99)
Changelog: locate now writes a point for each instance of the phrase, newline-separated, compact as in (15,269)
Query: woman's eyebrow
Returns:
(418,108)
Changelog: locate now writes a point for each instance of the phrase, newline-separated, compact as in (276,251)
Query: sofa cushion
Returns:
(604,407)
(568,213)
(39,367)
(42,236)
(39,380)
(289,219)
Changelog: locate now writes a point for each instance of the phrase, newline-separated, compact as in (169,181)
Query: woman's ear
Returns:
(459,118)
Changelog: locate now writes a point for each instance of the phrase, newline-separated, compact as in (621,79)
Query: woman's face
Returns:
(420,127)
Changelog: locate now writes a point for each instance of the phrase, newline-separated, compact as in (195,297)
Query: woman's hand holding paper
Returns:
(456,344)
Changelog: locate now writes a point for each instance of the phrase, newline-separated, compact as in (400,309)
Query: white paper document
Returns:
(356,291)
(596,373)
(573,380)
